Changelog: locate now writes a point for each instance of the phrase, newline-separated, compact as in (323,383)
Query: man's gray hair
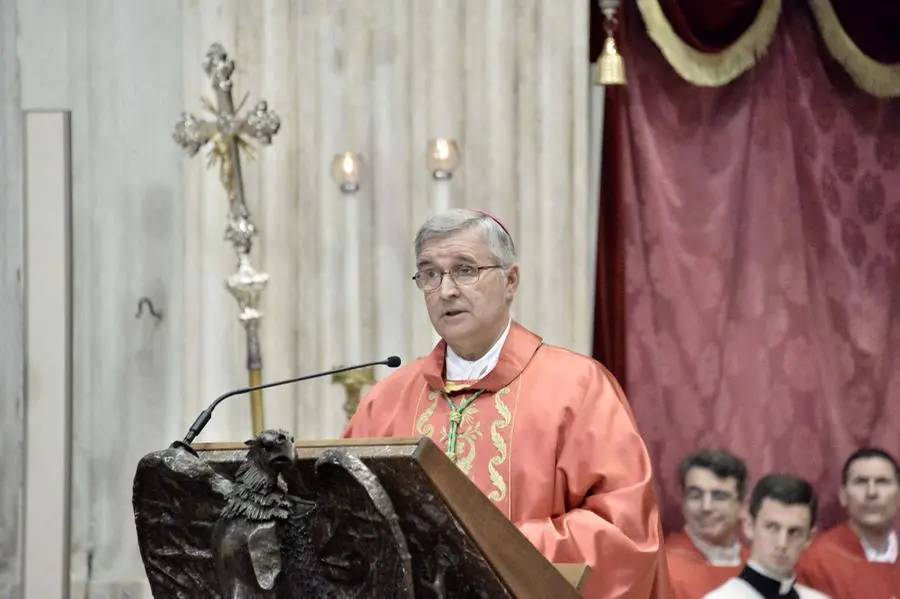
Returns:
(446,224)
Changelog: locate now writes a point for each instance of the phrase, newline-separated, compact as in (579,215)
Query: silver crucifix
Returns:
(226,135)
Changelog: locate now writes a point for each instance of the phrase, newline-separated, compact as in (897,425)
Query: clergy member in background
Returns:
(545,433)
(779,527)
(858,559)
(709,550)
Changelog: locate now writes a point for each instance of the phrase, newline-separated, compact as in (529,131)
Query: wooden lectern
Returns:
(453,540)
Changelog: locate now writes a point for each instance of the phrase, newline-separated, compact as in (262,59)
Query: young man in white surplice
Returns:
(779,526)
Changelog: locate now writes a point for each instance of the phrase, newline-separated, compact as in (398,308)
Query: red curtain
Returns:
(609,305)
(708,27)
(609,302)
(760,228)
(873,25)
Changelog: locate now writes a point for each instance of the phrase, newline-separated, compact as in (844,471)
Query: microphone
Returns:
(203,419)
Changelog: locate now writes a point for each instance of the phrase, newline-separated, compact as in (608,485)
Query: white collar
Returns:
(785,583)
(715,554)
(888,556)
(460,369)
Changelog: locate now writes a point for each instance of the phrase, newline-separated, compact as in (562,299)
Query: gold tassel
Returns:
(610,65)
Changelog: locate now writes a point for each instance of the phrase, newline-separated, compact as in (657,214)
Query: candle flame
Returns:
(442,149)
(349,164)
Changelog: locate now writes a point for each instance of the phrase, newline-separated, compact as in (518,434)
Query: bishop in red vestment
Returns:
(546,434)
(859,559)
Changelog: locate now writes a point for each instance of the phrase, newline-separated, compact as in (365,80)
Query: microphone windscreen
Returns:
(393,361)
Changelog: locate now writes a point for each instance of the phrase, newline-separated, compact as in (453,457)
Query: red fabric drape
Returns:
(762,253)
(873,25)
(609,305)
(710,26)
(609,302)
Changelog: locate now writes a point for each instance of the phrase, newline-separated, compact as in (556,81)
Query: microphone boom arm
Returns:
(205,416)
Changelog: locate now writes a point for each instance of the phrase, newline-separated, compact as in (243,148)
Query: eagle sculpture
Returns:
(239,529)
(245,541)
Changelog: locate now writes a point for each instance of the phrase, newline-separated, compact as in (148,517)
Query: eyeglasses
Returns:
(716,496)
(430,279)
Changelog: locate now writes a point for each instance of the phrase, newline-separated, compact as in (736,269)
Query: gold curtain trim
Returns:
(703,68)
(879,79)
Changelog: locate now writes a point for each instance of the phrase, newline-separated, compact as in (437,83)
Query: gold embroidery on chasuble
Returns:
(466,439)
(423,424)
(485,417)
(503,421)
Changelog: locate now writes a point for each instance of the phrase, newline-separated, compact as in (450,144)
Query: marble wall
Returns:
(119,72)
(506,79)
(12,316)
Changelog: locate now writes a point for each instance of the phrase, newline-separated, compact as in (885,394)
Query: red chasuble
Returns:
(551,441)
(691,576)
(836,565)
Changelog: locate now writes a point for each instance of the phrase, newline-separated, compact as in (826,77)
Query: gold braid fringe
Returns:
(879,79)
(703,68)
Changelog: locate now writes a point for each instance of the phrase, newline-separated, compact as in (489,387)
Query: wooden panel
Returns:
(514,558)
(314,444)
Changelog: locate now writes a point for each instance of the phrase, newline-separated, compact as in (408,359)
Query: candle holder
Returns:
(346,171)
(353,382)
(443,158)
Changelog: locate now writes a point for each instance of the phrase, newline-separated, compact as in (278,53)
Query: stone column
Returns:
(12,314)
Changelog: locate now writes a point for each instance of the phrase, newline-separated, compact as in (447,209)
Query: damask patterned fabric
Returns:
(762,263)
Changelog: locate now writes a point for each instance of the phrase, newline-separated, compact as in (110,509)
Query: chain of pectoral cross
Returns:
(456,415)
